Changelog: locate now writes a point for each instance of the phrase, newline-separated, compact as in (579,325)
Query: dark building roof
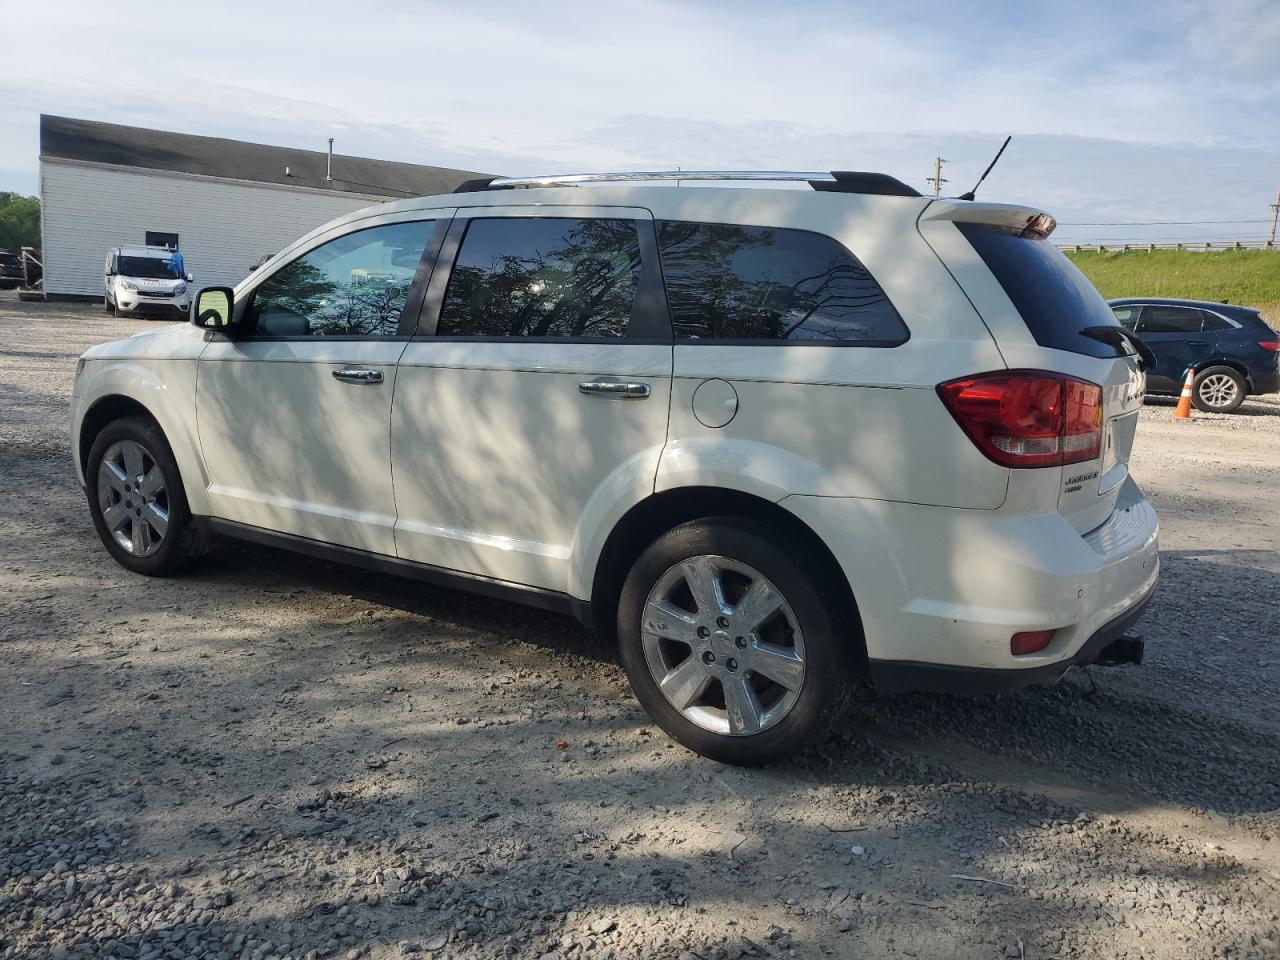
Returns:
(87,140)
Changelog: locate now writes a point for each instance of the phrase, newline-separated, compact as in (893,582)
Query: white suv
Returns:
(142,281)
(771,441)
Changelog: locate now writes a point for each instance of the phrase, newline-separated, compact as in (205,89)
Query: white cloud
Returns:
(544,86)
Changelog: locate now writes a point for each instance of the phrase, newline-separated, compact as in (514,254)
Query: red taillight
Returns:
(1028,418)
(1272,345)
(1032,641)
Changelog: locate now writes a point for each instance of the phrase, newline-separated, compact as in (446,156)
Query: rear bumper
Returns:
(901,676)
(1265,381)
(941,591)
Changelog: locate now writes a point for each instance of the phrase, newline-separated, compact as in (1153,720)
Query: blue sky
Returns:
(1134,114)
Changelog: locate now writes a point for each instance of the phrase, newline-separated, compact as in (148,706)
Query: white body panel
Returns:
(483,457)
(224,226)
(290,448)
(158,370)
(503,467)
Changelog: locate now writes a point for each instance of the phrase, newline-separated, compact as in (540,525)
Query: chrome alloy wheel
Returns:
(723,646)
(1218,390)
(132,497)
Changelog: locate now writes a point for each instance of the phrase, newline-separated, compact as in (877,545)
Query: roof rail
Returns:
(837,181)
(573,179)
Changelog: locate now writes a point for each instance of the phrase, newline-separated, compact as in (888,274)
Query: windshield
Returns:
(151,268)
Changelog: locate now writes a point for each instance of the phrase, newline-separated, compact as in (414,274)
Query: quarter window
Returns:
(355,285)
(543,277)
(728,282)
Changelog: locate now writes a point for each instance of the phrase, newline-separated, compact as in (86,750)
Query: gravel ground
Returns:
(273,757)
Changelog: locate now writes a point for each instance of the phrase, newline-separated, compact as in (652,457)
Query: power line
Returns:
(1155,223)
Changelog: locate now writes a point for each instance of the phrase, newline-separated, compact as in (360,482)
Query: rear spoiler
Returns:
(1024,221)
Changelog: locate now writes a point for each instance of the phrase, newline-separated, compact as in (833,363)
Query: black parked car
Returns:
(1232,350)
(11,273)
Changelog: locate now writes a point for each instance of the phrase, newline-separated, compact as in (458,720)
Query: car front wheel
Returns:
(137,500)
(1218,390)
(727,635)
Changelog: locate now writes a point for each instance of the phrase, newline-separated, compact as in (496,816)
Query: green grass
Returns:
(1250,277)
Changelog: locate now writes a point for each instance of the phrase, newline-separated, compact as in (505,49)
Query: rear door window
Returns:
(1159,319)
(1054,298)
(545,277)
(769,284)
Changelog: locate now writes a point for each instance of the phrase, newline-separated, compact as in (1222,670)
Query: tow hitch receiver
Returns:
(1126,649)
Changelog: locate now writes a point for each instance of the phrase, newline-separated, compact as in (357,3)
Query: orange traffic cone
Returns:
(1184,402)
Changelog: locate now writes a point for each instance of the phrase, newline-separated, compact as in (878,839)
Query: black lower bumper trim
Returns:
(902,676)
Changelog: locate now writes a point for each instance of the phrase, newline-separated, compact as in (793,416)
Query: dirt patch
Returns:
(276,757)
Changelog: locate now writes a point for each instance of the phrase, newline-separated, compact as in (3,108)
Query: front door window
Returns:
(356,285)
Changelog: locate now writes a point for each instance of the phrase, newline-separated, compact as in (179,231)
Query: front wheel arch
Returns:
(106,410)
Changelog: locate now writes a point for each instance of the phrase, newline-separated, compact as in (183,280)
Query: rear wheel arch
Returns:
(654,516)
(1235,365)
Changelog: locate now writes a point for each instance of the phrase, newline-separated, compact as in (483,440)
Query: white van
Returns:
(140,280)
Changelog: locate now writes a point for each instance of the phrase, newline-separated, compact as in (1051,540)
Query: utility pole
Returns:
(937,179)
(1275,215)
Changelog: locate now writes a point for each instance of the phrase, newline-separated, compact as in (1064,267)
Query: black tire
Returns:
(182,540)
(1224,390)
(810,593)
(111,307)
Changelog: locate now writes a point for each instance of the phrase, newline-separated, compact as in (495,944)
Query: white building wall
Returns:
(224,226)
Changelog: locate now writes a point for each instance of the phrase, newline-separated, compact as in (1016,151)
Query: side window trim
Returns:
(650,318)
(422,273)
(433,298)
(421,279)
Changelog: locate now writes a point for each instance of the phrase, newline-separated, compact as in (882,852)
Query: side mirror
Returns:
(211,309)
(189,278)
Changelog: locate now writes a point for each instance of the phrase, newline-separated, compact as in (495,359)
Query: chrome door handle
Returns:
(614,389)
(348,375)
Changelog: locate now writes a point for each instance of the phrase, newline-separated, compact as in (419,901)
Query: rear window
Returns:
(727,282)
(10,260)
(1054,298)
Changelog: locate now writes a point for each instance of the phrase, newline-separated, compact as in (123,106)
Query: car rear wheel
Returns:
(137,500)
(1218,390)
(727,635)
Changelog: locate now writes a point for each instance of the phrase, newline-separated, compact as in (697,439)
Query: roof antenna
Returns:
(974,192)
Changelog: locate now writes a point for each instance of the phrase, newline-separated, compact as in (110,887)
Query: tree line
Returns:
(19,221)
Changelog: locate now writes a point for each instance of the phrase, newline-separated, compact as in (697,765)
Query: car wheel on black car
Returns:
(1218,390)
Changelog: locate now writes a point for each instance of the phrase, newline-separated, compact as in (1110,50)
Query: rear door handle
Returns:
(614,389)
(352,375)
